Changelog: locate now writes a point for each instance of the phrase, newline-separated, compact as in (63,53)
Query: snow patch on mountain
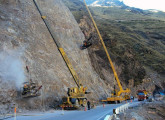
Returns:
(152,6)
(105,3)
(95,4)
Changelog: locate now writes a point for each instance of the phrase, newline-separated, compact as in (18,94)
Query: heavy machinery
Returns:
(146,94)
(76,95)
(30,89)
(142,95)
(76,98)
(117,95)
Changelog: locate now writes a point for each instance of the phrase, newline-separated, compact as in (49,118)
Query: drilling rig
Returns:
(30,88)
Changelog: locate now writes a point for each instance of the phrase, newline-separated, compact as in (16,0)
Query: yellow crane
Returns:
(117,97)
(76,95)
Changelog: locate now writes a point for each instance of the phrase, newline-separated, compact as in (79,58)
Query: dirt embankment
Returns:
(149,111)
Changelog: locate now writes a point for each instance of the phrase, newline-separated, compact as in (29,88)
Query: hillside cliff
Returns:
(25,41)
(129,37)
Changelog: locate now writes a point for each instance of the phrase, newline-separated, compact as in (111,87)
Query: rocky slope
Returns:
(25,41)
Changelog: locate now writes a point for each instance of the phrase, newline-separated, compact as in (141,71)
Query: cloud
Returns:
(146,4)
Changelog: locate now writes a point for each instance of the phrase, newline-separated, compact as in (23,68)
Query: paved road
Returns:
(98,113)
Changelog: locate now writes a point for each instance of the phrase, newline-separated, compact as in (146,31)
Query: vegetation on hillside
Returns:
(134,39)
(142,34)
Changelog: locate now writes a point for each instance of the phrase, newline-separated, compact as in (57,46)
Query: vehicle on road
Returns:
(142,95)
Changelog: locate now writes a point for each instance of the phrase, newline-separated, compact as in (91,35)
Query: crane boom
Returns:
(61,50)
(106,51)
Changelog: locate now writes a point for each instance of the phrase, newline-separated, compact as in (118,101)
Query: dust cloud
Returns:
(11,67)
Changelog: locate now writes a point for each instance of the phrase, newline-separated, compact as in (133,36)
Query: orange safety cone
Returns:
(103,105)
(15,110)
(131,101)
(85,109)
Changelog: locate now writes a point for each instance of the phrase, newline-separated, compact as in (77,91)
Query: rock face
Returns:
(97,54)
(25,39)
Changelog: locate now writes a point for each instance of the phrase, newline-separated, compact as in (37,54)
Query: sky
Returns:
(146,4)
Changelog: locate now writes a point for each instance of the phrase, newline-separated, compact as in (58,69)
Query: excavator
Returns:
(76,95)
(117,95)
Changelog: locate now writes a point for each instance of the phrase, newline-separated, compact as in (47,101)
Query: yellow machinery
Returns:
(30,89)
(76,96)
(146,93)
(117,97)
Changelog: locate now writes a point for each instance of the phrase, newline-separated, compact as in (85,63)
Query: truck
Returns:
(142,95)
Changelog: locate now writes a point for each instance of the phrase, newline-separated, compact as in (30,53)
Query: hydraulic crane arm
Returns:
(106,51)
(61,50)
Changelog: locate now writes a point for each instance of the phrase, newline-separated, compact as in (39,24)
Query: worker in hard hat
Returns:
(86,44)
(25,89)
(89,105)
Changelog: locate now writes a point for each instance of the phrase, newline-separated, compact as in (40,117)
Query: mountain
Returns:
(105,3)
(120,4)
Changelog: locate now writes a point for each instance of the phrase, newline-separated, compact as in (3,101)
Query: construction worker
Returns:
(88,104)
(25,89)
(86,44)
